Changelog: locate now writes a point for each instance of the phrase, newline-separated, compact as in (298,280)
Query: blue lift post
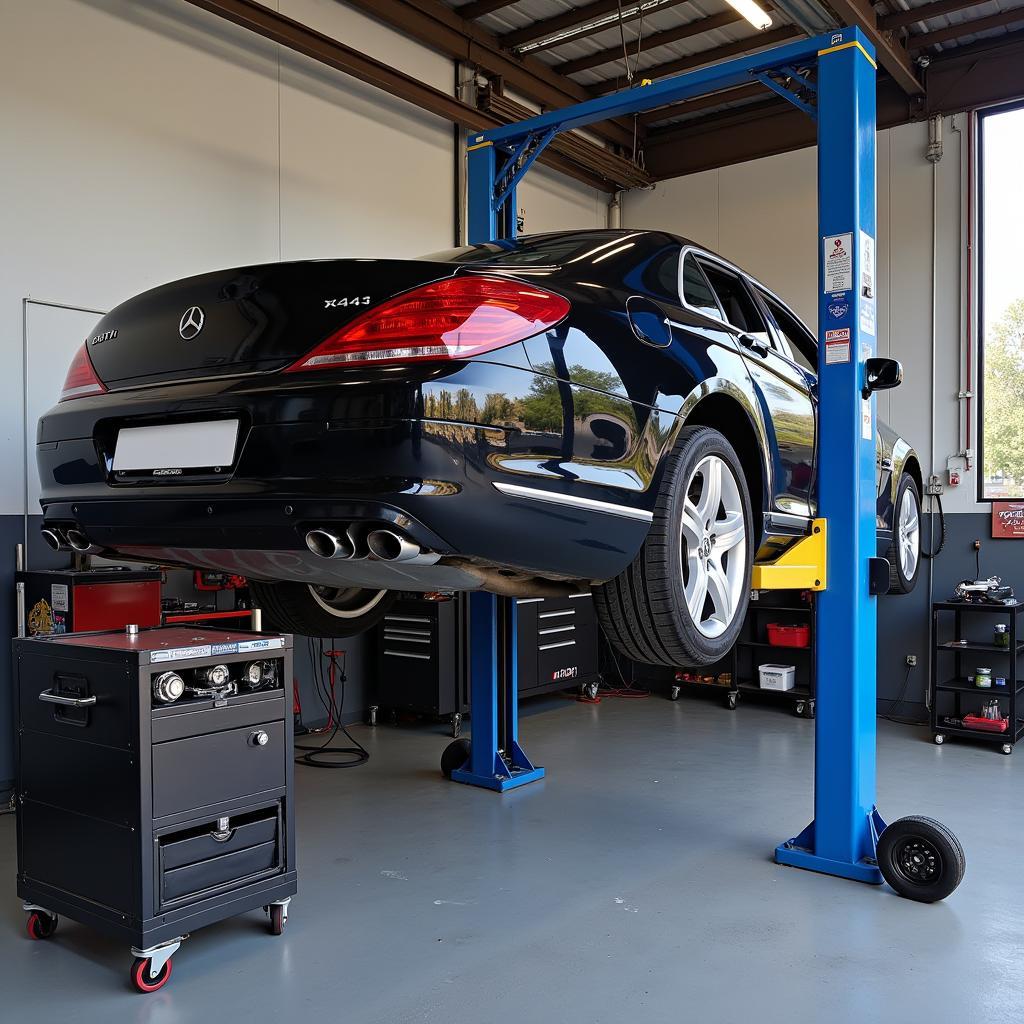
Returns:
(831,79)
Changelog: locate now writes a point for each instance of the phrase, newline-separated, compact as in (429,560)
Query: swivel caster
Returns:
(589,691)
(278,917)
(151,968)
(456,725)
(673,694)
(810,709)
(921,859)
(144,981)
(939,739)
(732,699)
(801,707)
(1007,748)
(41,925)
(455,755)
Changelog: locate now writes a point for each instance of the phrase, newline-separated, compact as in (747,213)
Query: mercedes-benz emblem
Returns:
(191,322)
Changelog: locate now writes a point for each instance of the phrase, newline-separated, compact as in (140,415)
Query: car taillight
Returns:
(451,319)
(81,380)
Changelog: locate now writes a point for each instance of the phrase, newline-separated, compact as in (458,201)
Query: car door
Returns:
(784,390)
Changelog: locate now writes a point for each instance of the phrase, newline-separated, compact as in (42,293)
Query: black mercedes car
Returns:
(616,411)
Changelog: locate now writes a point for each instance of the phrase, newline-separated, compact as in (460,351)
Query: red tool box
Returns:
(75,601)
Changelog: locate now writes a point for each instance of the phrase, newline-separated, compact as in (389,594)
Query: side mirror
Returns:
(880,374)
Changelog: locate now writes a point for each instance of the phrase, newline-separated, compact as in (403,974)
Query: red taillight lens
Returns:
(81,380)
(451,319)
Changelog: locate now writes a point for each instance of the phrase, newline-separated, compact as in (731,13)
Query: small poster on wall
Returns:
(1008,519)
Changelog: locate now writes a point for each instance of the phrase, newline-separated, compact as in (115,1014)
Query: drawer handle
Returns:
(259,738)
(223,832)
(49,697)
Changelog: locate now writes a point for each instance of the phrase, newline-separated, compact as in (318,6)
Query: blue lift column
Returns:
(493,759)
(842,838)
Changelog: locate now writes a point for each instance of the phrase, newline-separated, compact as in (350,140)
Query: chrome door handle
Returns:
(49,697)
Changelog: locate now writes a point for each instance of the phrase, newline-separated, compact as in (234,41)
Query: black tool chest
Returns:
(146,819)
(423,652)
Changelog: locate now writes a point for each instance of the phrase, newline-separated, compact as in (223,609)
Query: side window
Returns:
(696,292)
(739,306)
(801,343)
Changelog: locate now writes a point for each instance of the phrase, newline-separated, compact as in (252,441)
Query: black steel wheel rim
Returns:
(917,860)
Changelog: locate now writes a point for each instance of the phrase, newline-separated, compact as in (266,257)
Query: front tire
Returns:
(683,599)
(320,611)
(904,552)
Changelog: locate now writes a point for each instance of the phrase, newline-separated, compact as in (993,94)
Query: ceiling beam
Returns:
(981,74)
(438,26)
(478,8)
(900,19)
(572,19)
(715,99)
(302,39)
(891,55)
(696,60)
(671,35)
(965,28)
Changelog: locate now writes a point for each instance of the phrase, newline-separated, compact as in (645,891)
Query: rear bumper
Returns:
(328,455)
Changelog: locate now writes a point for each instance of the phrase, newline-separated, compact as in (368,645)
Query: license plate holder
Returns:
(176,449)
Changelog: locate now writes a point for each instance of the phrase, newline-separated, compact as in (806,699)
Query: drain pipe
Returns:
(615,210)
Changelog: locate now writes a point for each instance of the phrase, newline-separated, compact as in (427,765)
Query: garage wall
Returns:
(763,216)
(148,141)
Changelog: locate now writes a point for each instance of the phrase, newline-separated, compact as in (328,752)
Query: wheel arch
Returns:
(726,411)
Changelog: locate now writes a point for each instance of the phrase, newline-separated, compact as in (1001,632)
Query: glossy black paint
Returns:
(586,410)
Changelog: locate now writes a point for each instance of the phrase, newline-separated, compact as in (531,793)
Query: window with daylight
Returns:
(1001,302)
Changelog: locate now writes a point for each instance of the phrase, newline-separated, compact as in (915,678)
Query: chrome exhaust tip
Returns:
(389,546)
(328,545)
(79,541)
(53,539)
(356,534)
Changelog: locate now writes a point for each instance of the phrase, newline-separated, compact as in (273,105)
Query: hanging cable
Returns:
(936,500)
(330,688)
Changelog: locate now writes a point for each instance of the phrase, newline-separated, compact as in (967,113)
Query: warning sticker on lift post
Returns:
(837,345)
(837,259)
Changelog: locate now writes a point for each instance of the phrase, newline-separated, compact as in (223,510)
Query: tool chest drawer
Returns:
(196,860)
(217,767)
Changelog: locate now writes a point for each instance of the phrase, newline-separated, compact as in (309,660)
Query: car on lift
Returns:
(617,411)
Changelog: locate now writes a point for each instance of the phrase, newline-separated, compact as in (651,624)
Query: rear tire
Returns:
(319,611)
(904,552)
(683,600)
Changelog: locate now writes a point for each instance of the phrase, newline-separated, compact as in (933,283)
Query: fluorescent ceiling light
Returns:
(757,17)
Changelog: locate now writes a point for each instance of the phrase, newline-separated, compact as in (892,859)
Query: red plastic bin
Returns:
(789,636)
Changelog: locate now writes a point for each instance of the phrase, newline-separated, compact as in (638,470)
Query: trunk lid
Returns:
(245,320)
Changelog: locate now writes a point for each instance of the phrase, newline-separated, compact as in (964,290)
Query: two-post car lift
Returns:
(831,79)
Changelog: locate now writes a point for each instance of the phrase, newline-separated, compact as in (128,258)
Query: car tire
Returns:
(646,611)
(319,611)
(904,552)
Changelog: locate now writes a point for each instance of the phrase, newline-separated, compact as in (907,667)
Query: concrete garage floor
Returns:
(633,884)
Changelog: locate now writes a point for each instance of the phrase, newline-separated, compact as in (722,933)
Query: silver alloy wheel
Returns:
(908,532)
(714,548)
(346,602)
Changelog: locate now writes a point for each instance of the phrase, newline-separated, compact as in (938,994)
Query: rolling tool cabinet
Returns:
(154,784)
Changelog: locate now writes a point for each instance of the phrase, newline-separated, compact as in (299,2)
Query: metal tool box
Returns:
(154,784)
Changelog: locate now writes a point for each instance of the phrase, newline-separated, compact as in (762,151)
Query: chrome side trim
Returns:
(787,520)
(586,504)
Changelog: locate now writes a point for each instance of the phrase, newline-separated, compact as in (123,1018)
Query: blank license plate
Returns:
(176,446)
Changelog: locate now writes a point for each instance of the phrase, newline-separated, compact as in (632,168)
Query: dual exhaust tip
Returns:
(60,539)
(385,545)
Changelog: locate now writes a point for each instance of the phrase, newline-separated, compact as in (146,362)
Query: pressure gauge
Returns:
(255,674)
(215,675)
(168,687)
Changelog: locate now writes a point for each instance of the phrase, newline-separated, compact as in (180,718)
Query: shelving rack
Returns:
(751,651)
(965,649)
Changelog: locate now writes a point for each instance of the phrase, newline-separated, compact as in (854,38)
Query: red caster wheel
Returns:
(278,918)
(142,980)
(40,925)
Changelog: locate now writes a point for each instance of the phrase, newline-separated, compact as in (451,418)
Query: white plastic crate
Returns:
(777,677)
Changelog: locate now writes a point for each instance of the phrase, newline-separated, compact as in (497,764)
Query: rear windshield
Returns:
(532,250)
